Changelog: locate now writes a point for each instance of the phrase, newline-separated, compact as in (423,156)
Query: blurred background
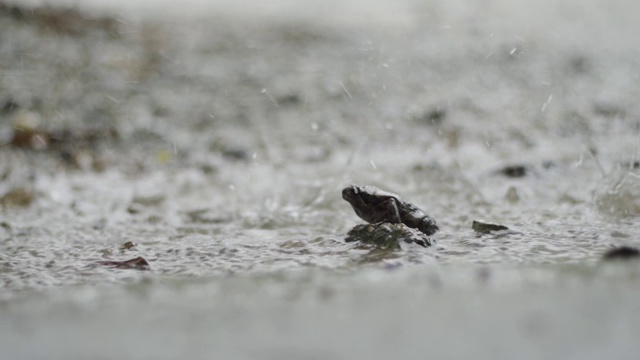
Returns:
(170,178)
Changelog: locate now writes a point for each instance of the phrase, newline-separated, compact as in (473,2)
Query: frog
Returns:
(374,205)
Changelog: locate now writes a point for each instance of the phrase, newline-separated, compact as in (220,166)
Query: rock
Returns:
(486,228)
(387,235)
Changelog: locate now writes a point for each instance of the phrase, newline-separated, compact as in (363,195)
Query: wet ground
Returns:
(216,144)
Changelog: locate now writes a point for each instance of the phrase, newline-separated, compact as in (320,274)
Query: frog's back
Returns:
(413,217)
(428,225)
(374,191)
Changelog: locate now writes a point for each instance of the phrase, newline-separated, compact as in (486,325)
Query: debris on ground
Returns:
(128,245)
(514,171)
(78,147)
(622,253)
(138,263)
(18,197)
(64,21)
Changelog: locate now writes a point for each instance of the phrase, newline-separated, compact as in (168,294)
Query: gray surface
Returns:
(262,270)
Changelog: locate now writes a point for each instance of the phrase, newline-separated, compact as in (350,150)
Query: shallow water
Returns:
(236,134)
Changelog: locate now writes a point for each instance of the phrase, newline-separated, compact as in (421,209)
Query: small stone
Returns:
(452,138)
(514,171)
(149,200)
(26,121)
(434,116)
(135,209)
(235,154)
(549,164)
(568,199)
(208,169)
(580,64)
(619,234)
(622,253)
(608,109)
(154,219)
(486,228)
(138,263)
(289,99)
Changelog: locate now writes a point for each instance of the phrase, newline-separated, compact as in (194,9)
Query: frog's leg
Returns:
(428,225)
(393,214)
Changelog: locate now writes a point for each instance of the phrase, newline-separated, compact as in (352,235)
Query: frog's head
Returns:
(350,193)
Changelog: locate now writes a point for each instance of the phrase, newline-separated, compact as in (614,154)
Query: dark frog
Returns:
(377,206)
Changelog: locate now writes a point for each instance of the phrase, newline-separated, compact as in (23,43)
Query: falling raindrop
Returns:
(546,103)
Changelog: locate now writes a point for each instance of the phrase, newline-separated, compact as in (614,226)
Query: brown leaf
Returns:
(29,138)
